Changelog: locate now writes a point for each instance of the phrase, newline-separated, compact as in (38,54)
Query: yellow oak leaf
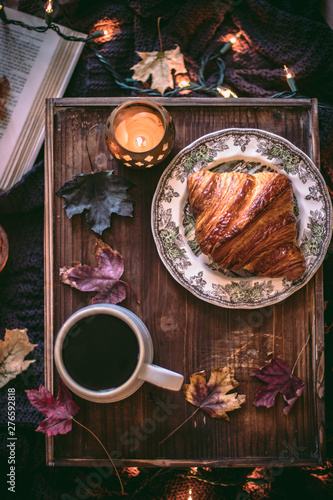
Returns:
(159,64)
(13,349)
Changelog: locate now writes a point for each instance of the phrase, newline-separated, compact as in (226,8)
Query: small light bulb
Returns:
(234,39)
(289,73)
(48,7)
(190,494)
(2,13)
(226,92)
(183,83)
(107,29)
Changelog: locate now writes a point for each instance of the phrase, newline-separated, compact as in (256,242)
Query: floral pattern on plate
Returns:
(173,225)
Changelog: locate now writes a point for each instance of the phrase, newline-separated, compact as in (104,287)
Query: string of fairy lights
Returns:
(102,33)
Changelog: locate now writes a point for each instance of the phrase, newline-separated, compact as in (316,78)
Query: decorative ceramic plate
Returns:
(241,150)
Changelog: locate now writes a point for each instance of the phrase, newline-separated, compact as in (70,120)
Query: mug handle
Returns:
(161,377)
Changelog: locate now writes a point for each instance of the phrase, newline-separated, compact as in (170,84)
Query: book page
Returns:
(37,65)
(24,59)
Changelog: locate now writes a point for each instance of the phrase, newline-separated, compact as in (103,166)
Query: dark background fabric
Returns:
(275,32)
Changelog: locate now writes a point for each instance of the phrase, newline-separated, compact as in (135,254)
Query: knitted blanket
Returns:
(275,32)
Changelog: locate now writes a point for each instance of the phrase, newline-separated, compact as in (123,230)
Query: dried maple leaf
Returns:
(212,396)
(59,411)
(101,194)
(4,87)
(159,64)
(13,349)
(104,279)
(279,378)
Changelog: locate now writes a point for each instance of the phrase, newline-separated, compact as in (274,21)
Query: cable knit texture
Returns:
(275,32)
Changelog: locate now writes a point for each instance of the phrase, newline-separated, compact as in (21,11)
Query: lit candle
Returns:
(140,133)
(138,129)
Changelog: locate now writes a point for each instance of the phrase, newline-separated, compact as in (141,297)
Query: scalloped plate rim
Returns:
(234,305)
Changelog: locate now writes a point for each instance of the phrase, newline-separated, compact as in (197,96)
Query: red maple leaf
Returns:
(59,411)
(279,378)
(104,279)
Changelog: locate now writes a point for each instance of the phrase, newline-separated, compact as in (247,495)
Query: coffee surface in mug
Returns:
(100,352)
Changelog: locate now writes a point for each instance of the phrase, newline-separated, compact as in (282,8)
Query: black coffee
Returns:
(100,352)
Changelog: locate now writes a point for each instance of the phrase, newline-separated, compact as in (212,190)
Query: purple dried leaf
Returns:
(104,279)
(59,411)
(277,374)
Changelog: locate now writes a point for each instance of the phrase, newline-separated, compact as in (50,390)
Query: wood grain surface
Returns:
(188,333)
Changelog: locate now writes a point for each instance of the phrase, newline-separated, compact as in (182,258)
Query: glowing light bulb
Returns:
(290,75)
(141,141)
(226,92)
(107,28)
(184,83)
(230,43)
(234,39)
(2,13)
(48,7)
(190,494)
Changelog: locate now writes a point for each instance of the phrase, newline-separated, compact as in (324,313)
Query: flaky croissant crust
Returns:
(246,221)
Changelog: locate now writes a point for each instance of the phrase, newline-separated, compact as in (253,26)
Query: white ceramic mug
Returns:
(143,371)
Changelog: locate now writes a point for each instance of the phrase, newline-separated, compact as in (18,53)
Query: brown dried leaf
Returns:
(159,64)
(13,350)
(212,396)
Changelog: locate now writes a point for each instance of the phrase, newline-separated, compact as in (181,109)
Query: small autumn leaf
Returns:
(279,378)
(4,88)
(212,396)
(104,279)
(59,411)
(13,349)
(101,194)
(158,65)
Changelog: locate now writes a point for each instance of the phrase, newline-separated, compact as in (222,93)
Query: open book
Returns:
(37,65)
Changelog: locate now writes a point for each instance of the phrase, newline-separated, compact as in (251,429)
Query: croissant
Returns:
(246,221)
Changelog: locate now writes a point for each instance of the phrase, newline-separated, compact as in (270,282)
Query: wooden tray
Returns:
(188,333)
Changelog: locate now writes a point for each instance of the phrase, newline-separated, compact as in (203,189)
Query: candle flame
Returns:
(289,73)
(141,141)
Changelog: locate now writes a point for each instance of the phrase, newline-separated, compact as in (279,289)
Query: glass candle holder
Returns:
(140,133)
